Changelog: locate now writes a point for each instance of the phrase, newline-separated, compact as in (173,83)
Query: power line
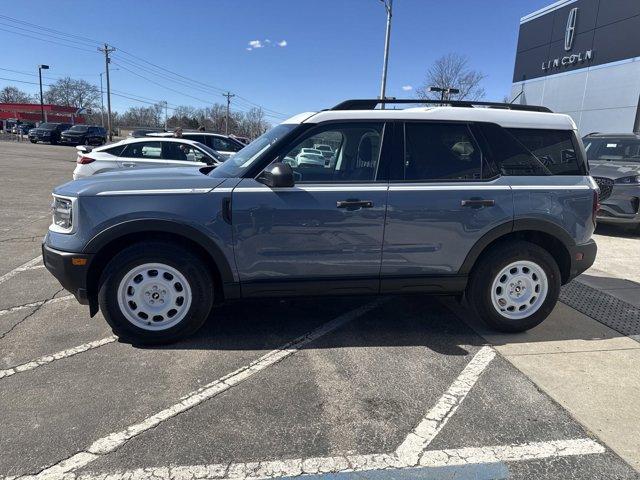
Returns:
(78,42)
(47,40)
(40,27)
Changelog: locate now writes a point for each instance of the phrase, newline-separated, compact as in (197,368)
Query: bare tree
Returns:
(73,93)
(15,95)
(151,116)
(452,71)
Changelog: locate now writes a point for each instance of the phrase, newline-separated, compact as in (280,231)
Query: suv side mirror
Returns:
(277,175)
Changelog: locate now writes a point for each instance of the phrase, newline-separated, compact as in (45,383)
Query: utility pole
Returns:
(166,115)
(388,5)
(107,50)
(40,68)
(228,96)
(101,102)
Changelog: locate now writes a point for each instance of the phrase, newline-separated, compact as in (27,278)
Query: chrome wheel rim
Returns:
(154,296)
(519,290)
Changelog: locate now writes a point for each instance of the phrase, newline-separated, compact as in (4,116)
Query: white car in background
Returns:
(144,152)
(310,156)
(223,144)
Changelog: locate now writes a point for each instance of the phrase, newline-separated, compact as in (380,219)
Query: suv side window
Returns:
(145,150)
(195,137)
(554,148)
(440,151)
(509,156)
(354,155)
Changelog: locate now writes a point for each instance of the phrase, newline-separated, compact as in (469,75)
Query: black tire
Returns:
(179,258)
(491,263)
(33,141)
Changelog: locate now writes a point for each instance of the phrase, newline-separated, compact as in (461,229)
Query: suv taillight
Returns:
(84,160)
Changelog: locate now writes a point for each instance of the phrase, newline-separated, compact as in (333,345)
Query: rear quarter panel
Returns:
(566,201)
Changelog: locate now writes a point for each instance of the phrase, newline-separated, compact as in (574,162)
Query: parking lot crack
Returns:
(29,315)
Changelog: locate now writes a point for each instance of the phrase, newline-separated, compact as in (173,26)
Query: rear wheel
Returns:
(514,286)
(154,293)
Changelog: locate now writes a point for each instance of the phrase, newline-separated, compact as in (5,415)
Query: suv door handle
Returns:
(353,204)
(128,164)
(477,203)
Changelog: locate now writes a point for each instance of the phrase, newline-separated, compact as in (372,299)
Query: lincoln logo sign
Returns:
(569,36)
(570,32)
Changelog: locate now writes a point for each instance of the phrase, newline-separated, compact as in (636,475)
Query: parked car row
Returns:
(66,133)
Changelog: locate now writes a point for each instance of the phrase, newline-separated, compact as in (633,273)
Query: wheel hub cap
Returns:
(154,296)
(519,290)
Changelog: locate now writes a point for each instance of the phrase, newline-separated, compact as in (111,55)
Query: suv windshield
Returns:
(48,126)
(79,128)
(242,161)
(613,149)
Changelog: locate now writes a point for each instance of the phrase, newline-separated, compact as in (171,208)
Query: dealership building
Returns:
(582,58)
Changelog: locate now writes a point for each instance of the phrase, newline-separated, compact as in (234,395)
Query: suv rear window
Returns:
(554,148)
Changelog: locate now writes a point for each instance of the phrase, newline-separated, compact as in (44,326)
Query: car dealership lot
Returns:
(269,388)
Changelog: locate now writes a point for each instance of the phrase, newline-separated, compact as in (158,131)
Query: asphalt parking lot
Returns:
(396,388)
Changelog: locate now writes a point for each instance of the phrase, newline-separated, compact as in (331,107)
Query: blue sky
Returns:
(333,48)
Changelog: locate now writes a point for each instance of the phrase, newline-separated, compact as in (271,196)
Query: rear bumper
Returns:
(72,277)
(582,257)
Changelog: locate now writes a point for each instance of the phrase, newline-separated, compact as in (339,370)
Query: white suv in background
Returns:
(145,152)
(223,144)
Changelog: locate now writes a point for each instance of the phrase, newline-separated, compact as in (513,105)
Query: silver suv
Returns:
(490,201)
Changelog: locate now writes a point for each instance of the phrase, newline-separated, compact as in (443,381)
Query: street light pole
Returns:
(388,5)
(40,68)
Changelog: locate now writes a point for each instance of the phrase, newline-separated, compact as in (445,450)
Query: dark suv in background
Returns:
(615,165)
(84,135)
(48,132)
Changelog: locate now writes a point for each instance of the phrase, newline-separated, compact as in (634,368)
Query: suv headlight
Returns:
(633,179)
(62,213)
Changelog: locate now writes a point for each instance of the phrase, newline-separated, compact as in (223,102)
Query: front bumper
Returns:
(622,206)
(582,257)
(65,266)
(71,140)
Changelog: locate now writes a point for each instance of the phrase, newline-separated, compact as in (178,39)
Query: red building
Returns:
(30,113)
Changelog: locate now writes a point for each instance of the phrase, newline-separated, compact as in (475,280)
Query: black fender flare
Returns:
(520,224)
(128,227)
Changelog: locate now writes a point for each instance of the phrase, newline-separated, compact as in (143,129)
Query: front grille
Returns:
(606,186)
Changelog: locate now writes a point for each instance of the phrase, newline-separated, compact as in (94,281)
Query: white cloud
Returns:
(407,88)
(253,44)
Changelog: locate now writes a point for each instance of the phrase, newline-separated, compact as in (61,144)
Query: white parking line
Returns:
(353,463)
(21,268)
(111,442)
(417,441)
(33,364)
(35,304)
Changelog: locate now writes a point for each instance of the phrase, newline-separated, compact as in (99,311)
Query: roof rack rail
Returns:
(370,104)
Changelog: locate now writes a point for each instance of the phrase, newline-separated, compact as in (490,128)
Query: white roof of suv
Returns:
(501,116)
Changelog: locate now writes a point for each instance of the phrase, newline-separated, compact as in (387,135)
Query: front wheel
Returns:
(514,286)
(154,293)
